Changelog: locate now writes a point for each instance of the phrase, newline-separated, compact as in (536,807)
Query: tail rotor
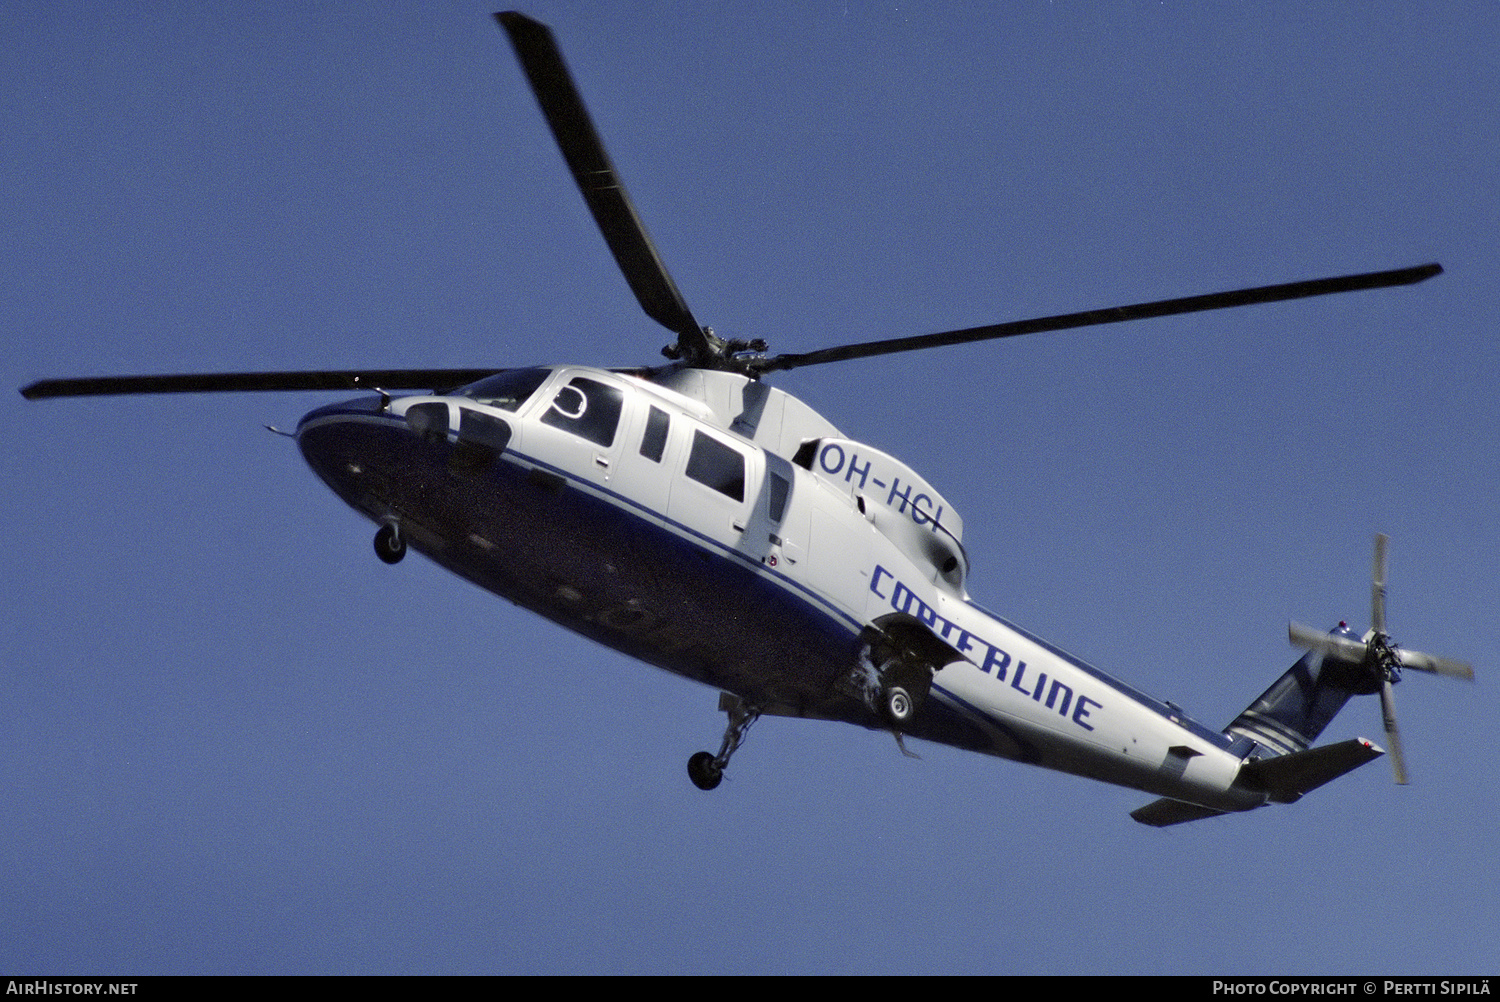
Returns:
(1378,658)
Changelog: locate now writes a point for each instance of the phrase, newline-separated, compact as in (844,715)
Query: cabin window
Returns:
(506,390)
(654,441)
(481,438)
(717,465)
(587,408)
(805,453)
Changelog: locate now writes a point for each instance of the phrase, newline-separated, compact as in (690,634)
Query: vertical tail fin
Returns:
(1289,716)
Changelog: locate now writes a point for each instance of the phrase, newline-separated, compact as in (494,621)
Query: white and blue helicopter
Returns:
(695,517)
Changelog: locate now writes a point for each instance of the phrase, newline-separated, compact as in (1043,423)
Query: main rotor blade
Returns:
(243,382)
(1112,315)
(597,180)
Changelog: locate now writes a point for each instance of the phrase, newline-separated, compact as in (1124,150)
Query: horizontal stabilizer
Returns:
(1284,779)
(1287,777)
(1166,811)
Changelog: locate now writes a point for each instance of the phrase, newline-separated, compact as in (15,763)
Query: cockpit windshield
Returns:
(506,390)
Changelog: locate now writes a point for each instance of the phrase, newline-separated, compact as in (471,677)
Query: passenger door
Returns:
(647,462)
(717,482)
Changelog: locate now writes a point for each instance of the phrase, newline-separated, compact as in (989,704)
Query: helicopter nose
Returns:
(324,432)
(370,404)
(353,446)
(382,457)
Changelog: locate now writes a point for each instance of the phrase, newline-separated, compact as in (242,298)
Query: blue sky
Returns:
(233,741)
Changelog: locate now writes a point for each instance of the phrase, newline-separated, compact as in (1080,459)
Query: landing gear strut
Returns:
(390,545)
(707,771)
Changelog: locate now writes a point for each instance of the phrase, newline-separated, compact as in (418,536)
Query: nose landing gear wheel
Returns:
(704,771)
(707,771)
(389,544)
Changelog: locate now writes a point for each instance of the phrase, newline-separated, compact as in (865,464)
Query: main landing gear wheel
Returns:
(898,705)
(704,771)
(893,670)
(390,546)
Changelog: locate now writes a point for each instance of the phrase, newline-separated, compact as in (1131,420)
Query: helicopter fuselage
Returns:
(718,528)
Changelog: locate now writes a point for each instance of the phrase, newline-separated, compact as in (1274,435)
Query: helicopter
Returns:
(626,504)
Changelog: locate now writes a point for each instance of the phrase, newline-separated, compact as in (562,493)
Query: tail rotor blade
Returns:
(1392,732)
(1450,667)
(1377,585)
(1339,647)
